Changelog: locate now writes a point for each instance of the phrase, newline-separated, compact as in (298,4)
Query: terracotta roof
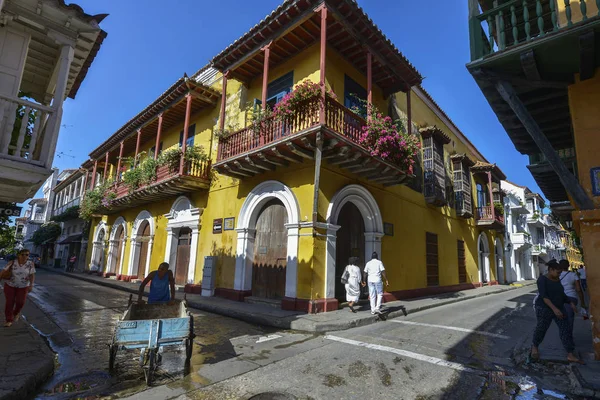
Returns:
(226,58)
(483,166)
(79,13)
(464,158)
(182,86)
(436,132)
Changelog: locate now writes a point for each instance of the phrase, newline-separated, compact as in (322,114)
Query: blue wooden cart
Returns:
(148,327)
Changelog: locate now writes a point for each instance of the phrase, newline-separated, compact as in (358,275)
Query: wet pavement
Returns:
(78,319)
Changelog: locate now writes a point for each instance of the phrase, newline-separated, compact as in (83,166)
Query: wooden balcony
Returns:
(168,184)
(276,143)
(488,219)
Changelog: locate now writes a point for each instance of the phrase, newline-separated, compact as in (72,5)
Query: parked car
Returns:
(35,258)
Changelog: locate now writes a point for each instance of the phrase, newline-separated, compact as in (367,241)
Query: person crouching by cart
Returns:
(162,280)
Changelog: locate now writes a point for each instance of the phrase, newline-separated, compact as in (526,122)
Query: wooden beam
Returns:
(518,81)
(329,144)
(355,160)
(300,151)
(236,173)
(587,55)
(260,164)
(345,159)
(569,181)
(288,41)
(306,142)
(247,168)
(273,161)
(529,66)
(333,153)
(286,156)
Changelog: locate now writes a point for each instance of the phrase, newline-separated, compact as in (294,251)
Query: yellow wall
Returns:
(584,98)
(576,15)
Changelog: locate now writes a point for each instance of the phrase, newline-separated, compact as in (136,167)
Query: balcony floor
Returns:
(338,150)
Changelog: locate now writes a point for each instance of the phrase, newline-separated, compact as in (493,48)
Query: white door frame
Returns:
(183,214)
(499,259)
(99,246)
(369,209)
(134,254)
(112,248)
(246,229)
(483,257)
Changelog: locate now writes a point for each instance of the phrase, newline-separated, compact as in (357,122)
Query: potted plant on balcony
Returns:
(305,99)
(141,173)
(94,200)
(172,157)
(389,140)
(498,208)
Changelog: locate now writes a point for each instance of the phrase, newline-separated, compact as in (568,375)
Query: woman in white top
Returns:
(20,276)
(353,285)
(570,282)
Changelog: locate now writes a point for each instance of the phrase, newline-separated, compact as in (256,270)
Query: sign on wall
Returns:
(595,176)
(388,229)
(218,225)
(10,210)
(229,224)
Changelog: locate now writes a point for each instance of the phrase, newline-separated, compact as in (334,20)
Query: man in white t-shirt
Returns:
(373,272)
(572,287)
(583,278)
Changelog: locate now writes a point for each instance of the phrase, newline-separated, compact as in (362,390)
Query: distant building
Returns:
(39,213)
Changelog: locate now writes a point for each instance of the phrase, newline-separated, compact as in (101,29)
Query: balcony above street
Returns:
(488,219)
(520,240)
(276,143)
(169,183)
(539,250)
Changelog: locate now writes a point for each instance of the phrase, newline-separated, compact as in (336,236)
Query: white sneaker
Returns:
(7,324)
(17,316)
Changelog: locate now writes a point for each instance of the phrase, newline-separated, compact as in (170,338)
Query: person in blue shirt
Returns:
(162,280)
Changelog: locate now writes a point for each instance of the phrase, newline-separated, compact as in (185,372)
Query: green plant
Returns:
(299,100)
(96,199)
(499,208)
(47,232)
(69,214)
(535,215)
(172,157)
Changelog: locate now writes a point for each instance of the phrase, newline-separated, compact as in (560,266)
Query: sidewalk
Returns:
(26,361)
(330,321)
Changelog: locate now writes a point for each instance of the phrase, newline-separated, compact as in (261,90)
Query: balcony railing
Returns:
(64,207)
(30,141)
(516,22)
(337,117)
(169,182)
(485,214)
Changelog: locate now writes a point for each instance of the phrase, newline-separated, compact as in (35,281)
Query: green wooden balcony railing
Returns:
(513,22)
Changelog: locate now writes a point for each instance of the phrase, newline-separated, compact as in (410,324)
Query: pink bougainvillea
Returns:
(390,142)
(299,99)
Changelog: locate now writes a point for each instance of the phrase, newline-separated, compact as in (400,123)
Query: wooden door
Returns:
(350,243)
(119,251)
(270,252)
(184,244)
(143,256)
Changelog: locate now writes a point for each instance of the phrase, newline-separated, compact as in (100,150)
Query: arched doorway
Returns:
(184,244)
(484,259)
(499,262)
(274,203)
(117,244)
(350,242)
(98,249)
(369,221)
(270,255)
(144,256)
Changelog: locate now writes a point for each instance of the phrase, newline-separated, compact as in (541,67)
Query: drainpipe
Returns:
(318,154)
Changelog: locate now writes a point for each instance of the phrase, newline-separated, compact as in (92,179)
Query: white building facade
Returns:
(39,212)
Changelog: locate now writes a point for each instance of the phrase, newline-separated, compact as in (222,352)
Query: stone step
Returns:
(275,303)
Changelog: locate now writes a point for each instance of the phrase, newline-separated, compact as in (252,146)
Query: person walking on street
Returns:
(583,278)
(20,276)
(550,306)
(353,282)
(162,280)
(374,271)
(570,282)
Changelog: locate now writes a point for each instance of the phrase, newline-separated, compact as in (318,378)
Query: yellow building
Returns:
(276,206)
(537,65)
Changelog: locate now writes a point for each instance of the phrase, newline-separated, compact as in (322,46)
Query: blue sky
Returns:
(149,47)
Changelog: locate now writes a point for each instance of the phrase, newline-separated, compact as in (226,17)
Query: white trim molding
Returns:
(134,253)
(369,209)
(483,257)
(246,229)
(183,214)
(99,245)
(118,269)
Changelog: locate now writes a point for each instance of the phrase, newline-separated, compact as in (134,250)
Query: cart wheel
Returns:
(111,357)
(189,345)
(150,369)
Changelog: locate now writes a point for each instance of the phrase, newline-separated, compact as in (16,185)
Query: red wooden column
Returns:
(369,83)
(117,177)
(265,83)
(323,10)
(137,146)
(105,166)
(158,133)
(86,180)
(408,111)
(491,194)
(94,174)
(186,124)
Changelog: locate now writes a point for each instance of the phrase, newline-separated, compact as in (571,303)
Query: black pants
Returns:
(545,316)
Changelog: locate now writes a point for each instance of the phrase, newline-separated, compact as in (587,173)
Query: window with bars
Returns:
(434,171)
(462,188)
(462,262)
(432,259)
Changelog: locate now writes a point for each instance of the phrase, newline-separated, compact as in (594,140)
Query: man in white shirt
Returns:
(583,278)
(373,272)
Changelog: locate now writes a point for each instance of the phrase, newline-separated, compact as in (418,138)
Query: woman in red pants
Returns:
(18,284)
